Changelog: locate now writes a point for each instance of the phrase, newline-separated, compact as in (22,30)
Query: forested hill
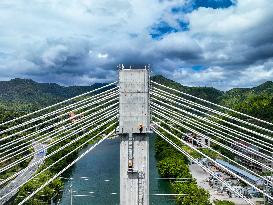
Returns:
(256,101)
(25,94)
(207,93)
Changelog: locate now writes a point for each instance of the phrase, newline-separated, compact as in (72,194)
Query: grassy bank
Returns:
(173,164)
(55,187)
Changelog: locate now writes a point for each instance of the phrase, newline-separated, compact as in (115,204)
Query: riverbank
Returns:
(46,172)
(96,178)
(11,189)
(172,164)
(202,179)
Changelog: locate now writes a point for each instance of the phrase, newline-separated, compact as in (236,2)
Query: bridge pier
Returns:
(134,129)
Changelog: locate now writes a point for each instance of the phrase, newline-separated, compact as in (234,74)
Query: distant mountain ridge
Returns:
(256,101)
(28,95)
(208,93)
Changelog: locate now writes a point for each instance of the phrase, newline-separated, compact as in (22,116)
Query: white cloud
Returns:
(102,55)
(231,35)
(247,14)
(225,79)
(178,45)
(255,74)
(54,54)
(78,41)
(212,76)
(51,32)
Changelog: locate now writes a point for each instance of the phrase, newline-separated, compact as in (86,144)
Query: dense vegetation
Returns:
(19,96)
(208,93)
(25,95)
(256,101)
(22,95)
(6,115)
(172,164)
(53,188)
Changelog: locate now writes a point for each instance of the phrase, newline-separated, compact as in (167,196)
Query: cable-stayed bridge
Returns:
(134,108)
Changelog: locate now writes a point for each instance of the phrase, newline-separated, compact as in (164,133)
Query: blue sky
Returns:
(219,43)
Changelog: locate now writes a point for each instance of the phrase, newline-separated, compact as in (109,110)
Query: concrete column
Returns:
(134,129)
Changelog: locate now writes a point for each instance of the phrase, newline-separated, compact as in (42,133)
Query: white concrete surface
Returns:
(134,100)
(129,181)
(134,111)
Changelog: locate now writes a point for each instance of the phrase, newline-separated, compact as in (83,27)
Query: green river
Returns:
(96,178)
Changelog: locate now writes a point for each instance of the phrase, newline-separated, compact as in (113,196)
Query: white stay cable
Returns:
(218,129)
(218,143)
(51,145)
(175,97)
(53,132)
(240,134)
(63,157)
(64,114)
(65,130)
(67,167)
(217,105)
(238,164)
(5,146)
(73,105)
(225,121)
(60,103)
(202,166)
(210,129)
(56,151)
(235,125)
(61,139)
(215,162)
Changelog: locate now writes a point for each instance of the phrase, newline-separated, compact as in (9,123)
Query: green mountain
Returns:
(256,101)
(25,94)
(207,93)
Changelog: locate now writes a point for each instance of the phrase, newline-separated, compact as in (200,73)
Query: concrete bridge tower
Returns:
(134,129)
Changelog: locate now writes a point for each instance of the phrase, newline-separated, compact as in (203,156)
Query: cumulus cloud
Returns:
(82,41)
(255,74)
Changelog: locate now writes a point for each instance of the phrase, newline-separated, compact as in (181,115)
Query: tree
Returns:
(193,194)
(173,167)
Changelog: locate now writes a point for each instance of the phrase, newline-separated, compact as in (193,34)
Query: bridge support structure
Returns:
(134,129)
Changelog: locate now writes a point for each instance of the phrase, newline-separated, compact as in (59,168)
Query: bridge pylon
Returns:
(134,129)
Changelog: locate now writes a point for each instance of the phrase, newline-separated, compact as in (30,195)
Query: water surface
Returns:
(96,178)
